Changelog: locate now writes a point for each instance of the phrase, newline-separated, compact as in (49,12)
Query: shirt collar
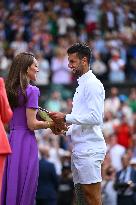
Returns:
(84,76)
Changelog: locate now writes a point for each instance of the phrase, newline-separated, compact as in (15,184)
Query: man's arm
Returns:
(94,102)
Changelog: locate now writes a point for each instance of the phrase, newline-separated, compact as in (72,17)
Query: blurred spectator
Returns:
(66,186)
(132,100)
(55,154)
(106,163)
(39,26)
(133,147)
(44,70)
(4,65)
(55,103)
(91,16)
(116,67)
(112,103)
(109,195)
(69,106)
(124,109)
(99,44)
(82,36)
(108,17)
(123,132)
(133,162)
(134,123)
(133,70)
(18,45)
(116,151)
(61,74)
(98,67)
(109,124)
(125,183)
(47,181)
(65,21)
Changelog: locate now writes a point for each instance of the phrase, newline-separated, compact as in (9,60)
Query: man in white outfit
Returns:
(86,121)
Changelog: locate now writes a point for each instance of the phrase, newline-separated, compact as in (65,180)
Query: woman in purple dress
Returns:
(21,170)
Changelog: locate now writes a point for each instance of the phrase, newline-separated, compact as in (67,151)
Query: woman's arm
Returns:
(33,123)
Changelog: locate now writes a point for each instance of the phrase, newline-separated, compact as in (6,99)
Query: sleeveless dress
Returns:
(21,170)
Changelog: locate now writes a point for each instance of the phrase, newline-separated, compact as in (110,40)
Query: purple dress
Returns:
(21,170)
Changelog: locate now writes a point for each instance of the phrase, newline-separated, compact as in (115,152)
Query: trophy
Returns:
(43,114)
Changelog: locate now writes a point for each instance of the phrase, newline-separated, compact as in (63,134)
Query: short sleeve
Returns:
(33,94)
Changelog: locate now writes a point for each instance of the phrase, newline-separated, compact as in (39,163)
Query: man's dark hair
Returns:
(82,51)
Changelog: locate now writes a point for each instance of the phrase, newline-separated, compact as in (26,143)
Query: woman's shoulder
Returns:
(32,88)
(32,94)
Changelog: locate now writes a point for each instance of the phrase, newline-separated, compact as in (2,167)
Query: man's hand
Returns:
(58,128)
(57,117)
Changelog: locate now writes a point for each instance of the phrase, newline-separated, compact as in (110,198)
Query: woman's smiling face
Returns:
(32,71)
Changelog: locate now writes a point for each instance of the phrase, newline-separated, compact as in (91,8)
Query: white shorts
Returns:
(86,169)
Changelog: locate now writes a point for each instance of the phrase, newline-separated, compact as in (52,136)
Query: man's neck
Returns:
(85,69)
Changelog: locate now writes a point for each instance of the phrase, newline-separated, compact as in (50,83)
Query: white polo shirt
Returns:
(87,116)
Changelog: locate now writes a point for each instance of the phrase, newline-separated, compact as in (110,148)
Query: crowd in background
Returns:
(47,28)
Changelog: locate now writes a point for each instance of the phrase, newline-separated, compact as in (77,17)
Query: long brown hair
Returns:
(17,77)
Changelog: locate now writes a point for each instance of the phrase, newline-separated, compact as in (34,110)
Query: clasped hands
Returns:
(59,125)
